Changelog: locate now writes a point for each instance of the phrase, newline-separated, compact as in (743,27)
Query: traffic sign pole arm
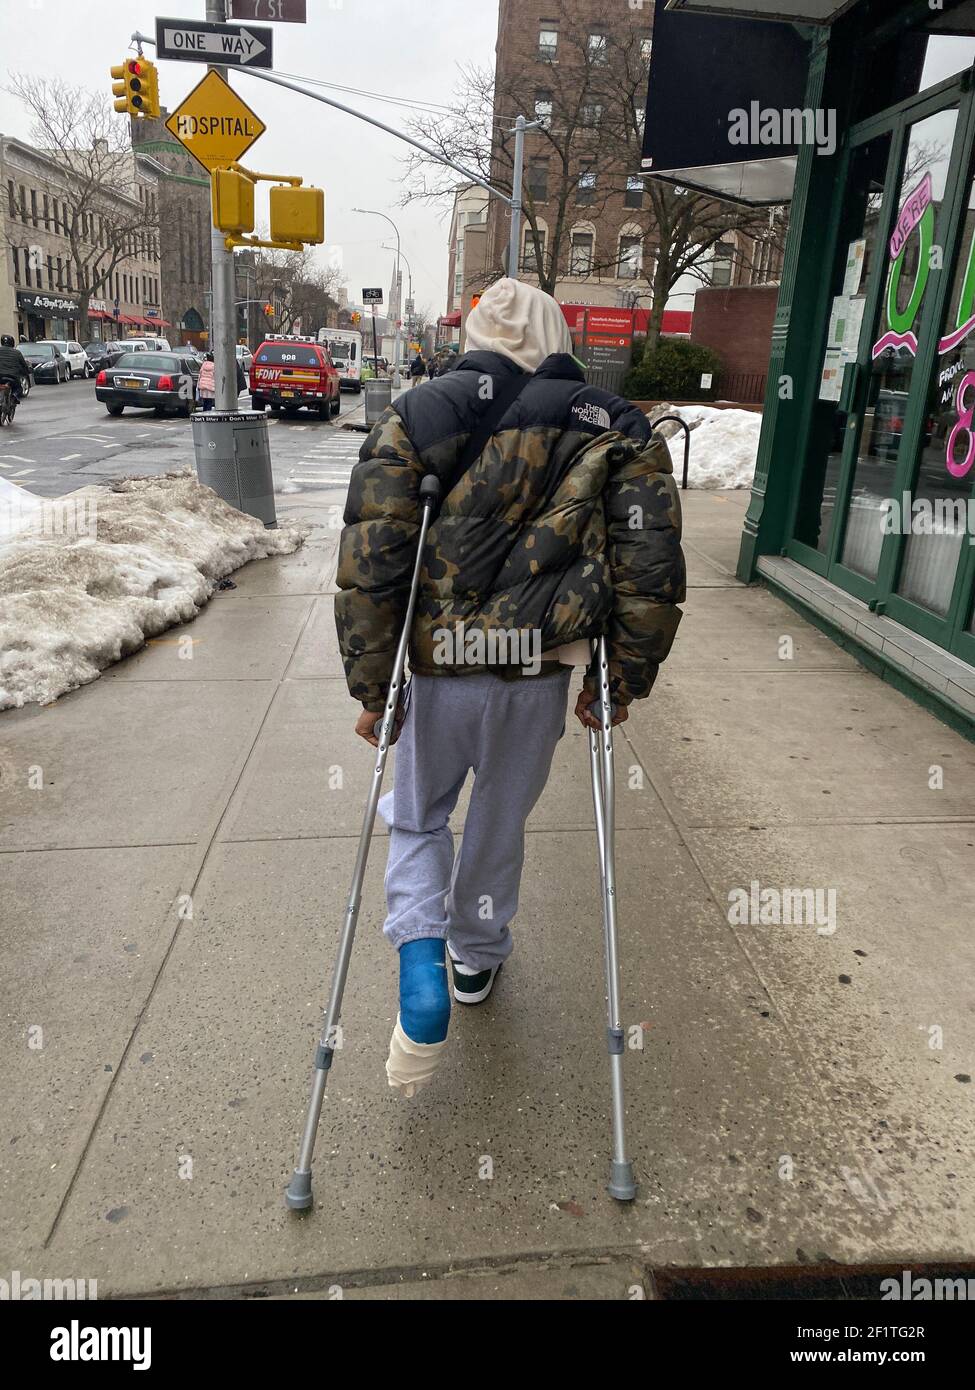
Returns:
(361,116)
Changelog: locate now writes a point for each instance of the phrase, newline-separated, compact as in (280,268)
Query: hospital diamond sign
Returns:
(214,124)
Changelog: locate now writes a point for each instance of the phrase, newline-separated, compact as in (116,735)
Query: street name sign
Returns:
(278,11)
(214,124)
(198,41)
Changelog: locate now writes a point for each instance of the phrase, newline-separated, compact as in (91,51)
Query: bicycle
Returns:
(8,403)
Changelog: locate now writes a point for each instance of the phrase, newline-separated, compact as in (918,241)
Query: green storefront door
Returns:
(892,427)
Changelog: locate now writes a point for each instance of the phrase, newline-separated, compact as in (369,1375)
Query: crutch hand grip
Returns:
(429,490)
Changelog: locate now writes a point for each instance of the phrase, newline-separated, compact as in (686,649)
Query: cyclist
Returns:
(14,366)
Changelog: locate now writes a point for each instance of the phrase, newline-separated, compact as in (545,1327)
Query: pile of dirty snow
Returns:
(724,444)
(86,579)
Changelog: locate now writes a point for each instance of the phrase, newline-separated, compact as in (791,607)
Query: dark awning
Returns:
(792,11)
(719,126)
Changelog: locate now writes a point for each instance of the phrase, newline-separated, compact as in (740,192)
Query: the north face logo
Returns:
(591,414)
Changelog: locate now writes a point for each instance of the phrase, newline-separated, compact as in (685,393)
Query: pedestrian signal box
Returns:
(297,214)
(233,201)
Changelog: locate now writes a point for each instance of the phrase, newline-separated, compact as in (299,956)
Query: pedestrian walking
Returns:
(418,370)
(432,366)
(566,528)
(206,384)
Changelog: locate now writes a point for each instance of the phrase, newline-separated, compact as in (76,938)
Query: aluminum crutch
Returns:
(621,1183)
(298,1196)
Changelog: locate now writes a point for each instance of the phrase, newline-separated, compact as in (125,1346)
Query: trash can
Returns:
(233,457)
(379,395)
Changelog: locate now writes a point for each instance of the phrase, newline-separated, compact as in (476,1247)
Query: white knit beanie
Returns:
(519,321)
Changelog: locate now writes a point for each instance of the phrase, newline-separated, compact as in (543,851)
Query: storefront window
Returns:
(946,468)
(895,339)
(864,203)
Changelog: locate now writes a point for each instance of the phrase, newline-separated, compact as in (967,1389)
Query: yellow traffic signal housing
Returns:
(136,87)
(120,88)
(297,214)
(233,201)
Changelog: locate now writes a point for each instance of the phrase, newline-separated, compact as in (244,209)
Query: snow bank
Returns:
(138,556)
(724,444)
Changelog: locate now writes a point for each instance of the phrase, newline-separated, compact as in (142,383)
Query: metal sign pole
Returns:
(222,281)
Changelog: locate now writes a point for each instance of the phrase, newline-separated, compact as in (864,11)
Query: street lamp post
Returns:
(371,212)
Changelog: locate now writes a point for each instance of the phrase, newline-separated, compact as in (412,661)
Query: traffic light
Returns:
(297,214)
(233,201)
(136,87)
(269,310)
(357,317)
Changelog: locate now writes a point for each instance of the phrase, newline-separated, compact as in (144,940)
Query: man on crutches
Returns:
(557,543)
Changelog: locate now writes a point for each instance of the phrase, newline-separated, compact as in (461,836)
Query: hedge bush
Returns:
(672,372)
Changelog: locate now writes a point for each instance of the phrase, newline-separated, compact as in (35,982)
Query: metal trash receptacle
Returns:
(379,395)
(233,457)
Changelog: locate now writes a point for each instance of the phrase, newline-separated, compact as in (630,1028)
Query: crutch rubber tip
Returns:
(621,1183)
(298,1195)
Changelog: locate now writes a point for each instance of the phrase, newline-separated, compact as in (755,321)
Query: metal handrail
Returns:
(687,442)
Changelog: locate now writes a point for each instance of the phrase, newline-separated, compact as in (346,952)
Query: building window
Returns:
(458,284)
(543,108)
(50,273)
(529,259)
(629,262)
(33,206)
(633,198)
(16,255)
(23,203)
(538,180)
(581,253)
(639,116)
(586,187)
(597,48)
(592,114)
(548,43)
(47,213)
(721,269)
(11,199)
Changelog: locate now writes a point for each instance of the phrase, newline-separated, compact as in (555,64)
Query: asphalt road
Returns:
(63,439)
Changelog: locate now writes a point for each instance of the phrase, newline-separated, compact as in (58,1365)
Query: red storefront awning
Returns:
(98,314)
(450,320)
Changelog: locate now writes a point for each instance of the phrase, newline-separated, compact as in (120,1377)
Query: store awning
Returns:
(156,323)
(711,124)
(450,320)
(129,320)
(792,11)
(98,314)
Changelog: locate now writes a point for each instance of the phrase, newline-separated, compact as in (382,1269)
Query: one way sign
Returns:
(197,41)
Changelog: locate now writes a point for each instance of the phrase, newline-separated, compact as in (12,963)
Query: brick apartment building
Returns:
(581,67)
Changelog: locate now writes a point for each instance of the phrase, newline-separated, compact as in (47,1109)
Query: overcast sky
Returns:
(402,48)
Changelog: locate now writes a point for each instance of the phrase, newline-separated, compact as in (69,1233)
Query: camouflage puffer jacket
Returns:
(555,533)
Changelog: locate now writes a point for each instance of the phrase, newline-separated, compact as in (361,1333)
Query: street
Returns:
(62,439)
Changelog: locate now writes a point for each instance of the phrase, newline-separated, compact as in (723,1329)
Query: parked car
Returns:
(289,373)
(159,381)
(104,353)
(74,353)
(148,344)
(48,362)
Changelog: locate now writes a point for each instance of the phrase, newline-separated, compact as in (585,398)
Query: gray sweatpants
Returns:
(506,732)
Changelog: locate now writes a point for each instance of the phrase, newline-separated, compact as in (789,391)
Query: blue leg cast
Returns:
(424,999)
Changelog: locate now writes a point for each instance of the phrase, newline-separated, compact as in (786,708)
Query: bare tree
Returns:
(106,226)
(298,286)
(592,101)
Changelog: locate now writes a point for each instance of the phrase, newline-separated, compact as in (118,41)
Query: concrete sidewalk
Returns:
(174,892)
